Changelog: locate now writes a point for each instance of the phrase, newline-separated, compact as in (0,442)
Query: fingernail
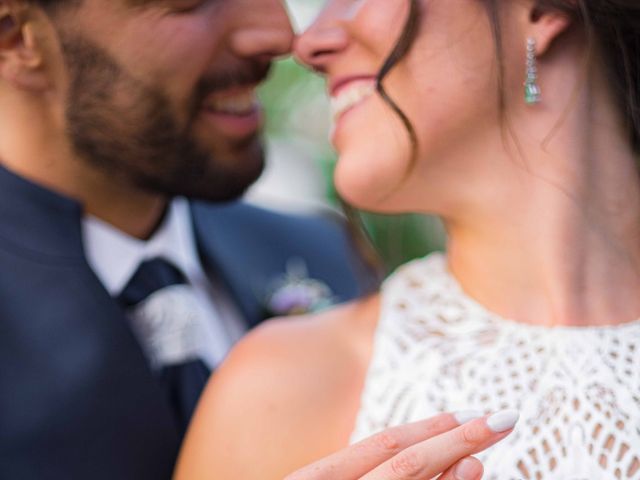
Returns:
(466,416)
(504,420)
(467,469)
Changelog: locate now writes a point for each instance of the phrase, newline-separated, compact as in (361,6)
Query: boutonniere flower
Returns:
(295,293)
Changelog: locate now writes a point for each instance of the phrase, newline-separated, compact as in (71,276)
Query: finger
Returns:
(468,468)
(360,458)
(431,457)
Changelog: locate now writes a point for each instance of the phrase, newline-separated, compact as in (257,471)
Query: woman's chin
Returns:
(362,195)
(369,179)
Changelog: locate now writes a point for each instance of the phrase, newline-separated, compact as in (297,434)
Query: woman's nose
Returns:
(320,44)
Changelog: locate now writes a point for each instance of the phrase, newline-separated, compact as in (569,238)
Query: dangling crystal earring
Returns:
(532,93)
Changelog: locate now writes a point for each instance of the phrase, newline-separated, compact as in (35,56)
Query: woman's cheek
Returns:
(373,163)
(376,24)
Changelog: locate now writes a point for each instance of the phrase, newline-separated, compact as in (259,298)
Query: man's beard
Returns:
(129,131)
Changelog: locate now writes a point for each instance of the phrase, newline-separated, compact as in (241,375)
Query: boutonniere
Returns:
(295,293)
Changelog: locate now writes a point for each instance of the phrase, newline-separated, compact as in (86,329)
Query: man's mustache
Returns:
(245,76)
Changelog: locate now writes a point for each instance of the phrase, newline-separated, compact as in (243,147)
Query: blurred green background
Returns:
(301,161)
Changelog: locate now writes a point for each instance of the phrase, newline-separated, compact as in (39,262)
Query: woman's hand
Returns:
(422,450)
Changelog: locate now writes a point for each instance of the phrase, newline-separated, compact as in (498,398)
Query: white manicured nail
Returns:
(504,420)
(467,469)
(466,416)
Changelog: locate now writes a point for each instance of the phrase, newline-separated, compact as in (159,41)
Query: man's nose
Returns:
(265,31)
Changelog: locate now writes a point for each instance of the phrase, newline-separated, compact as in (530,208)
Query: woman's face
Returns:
(446,85)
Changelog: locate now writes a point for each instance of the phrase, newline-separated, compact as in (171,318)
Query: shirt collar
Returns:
(115,256)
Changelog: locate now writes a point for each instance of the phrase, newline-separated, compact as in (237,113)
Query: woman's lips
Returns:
(337,84)
(350,94)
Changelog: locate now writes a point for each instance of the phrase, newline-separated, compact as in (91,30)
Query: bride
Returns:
(518,123)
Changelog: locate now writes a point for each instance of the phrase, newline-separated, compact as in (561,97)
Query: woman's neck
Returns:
(554,239)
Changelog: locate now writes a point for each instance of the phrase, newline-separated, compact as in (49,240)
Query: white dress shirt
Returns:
(115,256)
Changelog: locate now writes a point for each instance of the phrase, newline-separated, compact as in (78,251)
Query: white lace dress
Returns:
(578,389)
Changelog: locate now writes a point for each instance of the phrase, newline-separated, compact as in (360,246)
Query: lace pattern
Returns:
(578,389)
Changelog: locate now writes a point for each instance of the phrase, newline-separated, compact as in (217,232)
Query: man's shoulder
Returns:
(253,247)
(245,217)
(266,237)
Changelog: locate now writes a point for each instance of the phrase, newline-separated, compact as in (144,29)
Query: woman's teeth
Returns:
(350,96)
(241,104)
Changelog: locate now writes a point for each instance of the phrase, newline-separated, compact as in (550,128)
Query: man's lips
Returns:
(237,101)
(234,113)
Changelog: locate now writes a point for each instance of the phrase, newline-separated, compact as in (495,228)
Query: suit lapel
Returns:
(223,257)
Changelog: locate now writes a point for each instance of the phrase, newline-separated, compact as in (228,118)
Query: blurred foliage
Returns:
(288,87)
(296,107)
(400,238)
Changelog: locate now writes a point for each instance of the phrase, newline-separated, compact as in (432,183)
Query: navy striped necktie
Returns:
(159,303)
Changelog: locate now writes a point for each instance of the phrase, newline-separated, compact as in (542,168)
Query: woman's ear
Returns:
(21,58)
(546,25)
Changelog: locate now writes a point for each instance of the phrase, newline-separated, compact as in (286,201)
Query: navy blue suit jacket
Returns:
(77,399)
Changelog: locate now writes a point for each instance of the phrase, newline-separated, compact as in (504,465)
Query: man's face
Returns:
(162,92)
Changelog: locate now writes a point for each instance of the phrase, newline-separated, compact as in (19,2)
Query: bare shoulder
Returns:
(286,396)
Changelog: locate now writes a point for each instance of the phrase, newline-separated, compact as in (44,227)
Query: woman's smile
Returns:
(350,96)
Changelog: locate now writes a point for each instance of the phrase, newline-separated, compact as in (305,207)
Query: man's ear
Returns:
(546,25)
(21,58)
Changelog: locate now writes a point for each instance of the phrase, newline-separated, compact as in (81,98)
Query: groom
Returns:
(118,296)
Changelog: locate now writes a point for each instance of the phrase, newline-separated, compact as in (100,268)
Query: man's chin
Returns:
(211,181)
(228,177)
(233,186)
(220,175)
